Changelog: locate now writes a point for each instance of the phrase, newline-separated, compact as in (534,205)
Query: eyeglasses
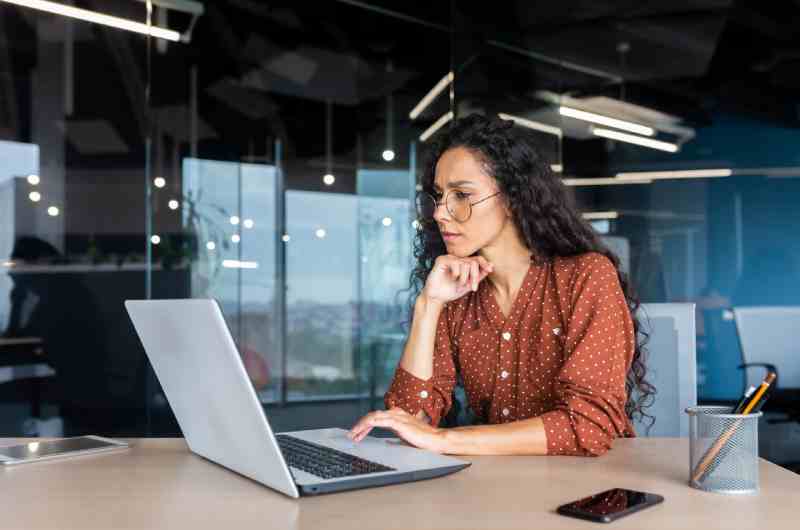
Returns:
(457,203)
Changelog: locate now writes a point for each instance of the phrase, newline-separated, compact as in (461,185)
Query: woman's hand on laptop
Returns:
(409,428)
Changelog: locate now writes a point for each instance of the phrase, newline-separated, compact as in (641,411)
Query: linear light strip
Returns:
(98,18)
(606,120)
(606,181)
(530,124)
(679,174)
(430,96)
(638,140)
(600,215)
(438,124)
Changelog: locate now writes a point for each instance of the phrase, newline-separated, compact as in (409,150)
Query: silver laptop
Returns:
(201,372)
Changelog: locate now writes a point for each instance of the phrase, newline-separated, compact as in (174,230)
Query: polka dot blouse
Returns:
(562,354)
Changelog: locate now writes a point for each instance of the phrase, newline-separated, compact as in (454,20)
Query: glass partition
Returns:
(73,128)
(270,157)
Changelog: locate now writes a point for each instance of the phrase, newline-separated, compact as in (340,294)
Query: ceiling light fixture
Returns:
(638,140)
(430,96)
(188,6)
(531,124)
(610,181)
(606,120)
(680,174)
(438,124)
(594,216)
(328,179)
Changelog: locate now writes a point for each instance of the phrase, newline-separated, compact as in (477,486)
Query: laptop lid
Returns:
(199,368)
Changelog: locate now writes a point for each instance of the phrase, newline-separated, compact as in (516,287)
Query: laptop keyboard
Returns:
(324,462)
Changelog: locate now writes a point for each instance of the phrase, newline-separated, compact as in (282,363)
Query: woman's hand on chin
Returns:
(452,277)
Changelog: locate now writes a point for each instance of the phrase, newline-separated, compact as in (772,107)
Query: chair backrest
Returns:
(671,367)
(769,334)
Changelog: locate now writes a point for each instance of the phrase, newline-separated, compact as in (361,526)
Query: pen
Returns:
(707,464)
(742,402)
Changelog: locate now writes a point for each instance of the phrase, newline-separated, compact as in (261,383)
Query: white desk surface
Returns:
(158,483)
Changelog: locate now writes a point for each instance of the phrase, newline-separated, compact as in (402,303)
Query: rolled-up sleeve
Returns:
(590,393)
(434,395)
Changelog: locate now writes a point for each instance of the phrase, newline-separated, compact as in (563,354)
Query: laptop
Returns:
(205,382)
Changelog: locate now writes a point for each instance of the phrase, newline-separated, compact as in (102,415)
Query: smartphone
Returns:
(50,449)
(610,505)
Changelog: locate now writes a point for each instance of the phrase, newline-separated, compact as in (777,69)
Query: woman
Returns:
(546,348)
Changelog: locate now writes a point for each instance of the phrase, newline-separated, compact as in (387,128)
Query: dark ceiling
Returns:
(265,69)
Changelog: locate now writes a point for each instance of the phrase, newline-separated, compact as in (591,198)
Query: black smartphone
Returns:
(610,505)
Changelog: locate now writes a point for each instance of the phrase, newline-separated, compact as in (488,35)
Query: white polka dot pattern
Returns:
(562,354)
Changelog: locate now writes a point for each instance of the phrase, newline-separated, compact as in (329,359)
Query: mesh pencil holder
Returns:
(723,450)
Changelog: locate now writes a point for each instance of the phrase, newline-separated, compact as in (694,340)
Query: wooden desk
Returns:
(159,484)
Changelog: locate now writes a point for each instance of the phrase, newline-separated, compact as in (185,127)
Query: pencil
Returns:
(703,467)
(742,402)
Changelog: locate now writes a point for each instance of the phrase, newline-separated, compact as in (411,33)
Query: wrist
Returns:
(448,441)
(426,304)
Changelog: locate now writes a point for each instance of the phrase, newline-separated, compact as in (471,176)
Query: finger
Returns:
(475,274)
(445,262)
(376,422)
(485,264)
(455,269)
(361,424)
(364,429)
(464,273)
(357,430)
(357,433)
(386,423)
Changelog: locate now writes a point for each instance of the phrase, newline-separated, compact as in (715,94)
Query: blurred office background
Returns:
(269,159)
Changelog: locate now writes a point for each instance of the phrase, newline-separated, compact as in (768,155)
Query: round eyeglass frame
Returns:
(423,195)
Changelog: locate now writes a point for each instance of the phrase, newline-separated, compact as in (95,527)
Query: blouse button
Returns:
(423,394)
(504,374)
(507,335)
(556,331)
(506,412)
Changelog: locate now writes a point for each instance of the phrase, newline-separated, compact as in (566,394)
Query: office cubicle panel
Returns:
(671,367)
(769,334)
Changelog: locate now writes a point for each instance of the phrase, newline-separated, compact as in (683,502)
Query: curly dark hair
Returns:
(544,213)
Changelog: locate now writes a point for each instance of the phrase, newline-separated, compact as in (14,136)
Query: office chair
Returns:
(768,337)
(768,340)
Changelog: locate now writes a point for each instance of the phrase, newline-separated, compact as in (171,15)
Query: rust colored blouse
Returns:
(562,354)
